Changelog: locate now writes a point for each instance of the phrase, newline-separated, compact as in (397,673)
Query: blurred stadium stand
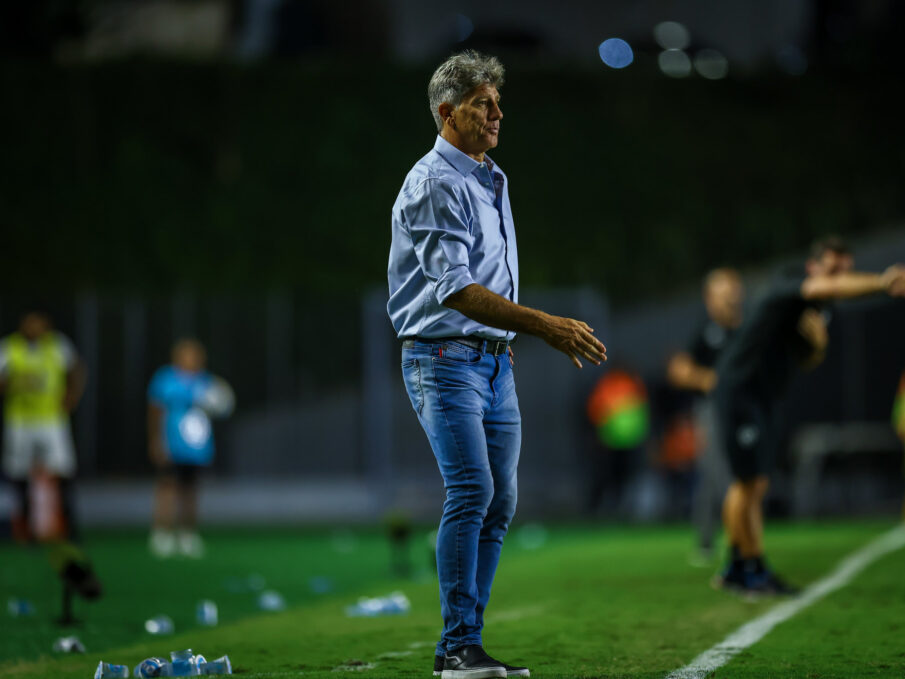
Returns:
(323,428)
(215,168)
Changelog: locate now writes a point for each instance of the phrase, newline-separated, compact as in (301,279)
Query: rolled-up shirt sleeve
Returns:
(437,221)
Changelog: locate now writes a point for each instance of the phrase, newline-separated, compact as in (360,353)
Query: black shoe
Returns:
(774,584)
(470,662)
(731,579)
(511,670)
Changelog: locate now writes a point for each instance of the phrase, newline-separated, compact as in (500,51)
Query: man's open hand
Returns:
(575,339)
(894,280)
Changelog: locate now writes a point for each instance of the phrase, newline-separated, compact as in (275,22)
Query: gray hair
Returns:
(460,74)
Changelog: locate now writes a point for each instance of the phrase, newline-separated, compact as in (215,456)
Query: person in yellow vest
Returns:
(42,380)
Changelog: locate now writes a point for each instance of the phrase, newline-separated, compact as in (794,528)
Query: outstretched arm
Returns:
(684,373)
(855,284)
(574,338)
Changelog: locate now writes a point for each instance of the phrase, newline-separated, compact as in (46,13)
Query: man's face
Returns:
(189,357)
(830,263)
(723,299)
(477,119)
(34,325)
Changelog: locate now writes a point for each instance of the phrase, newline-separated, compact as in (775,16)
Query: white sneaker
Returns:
(191,545)
(162,543)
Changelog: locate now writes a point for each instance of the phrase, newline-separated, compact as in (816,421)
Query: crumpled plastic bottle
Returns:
(68,645)
(206,613)
(107,670)
(185,663)
(153,667)
(19,608)
(395,603)
(159,624)
(270,600)
(221,665)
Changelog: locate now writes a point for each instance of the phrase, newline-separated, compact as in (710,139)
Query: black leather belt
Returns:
(485,346)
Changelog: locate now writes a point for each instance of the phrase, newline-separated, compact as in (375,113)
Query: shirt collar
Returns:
(463,163)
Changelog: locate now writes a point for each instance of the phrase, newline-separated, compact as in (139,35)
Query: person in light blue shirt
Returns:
(456,214)
(182,398)
(453,283)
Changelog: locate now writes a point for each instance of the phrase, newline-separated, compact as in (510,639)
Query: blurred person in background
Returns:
(784,331)
(677,444)
(898,418)
(453,283)
(42,380)
(619,411)
(182,398)
(694,370)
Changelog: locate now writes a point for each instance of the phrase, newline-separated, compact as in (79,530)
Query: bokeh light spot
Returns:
(711,64)
(616,53)
(671,35)
(674,63)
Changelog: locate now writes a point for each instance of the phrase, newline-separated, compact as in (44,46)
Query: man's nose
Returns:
(496,113)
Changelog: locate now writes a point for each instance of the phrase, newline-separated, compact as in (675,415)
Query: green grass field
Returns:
(599,601)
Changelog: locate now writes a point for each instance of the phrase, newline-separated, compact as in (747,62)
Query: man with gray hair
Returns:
(453,280)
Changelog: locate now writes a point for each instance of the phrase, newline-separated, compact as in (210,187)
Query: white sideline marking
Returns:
(752,632)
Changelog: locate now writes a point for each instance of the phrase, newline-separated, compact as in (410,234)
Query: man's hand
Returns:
(574,338)
(894,280)
(812,328)
(511,357)
(683,373)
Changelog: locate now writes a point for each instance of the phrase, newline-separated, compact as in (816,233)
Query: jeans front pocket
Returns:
(411,374)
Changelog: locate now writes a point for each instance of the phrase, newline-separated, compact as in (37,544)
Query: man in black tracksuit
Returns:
(784,331)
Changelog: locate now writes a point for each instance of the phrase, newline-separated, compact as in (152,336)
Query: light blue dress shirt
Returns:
(452,226)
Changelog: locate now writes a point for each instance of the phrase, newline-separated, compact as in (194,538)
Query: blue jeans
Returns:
(466,403)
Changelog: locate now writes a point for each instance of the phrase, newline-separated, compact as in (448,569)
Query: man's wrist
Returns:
(538,322)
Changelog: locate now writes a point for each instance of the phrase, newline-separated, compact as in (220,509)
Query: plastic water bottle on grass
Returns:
(160,624)
(219,666)
(153,667)
(68,645)
(19,608)
(395,603)
(206,613)
(271,601)
(186,664)
(107,670)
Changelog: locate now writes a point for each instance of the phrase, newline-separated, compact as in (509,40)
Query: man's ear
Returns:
(446,110)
